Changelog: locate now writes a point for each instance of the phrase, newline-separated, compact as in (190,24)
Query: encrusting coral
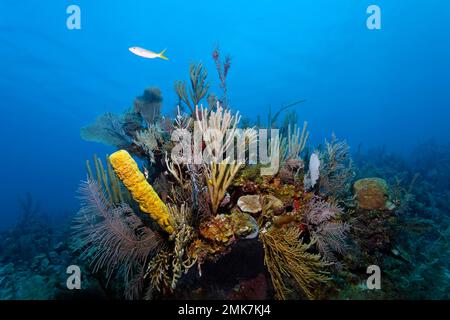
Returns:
(133,179)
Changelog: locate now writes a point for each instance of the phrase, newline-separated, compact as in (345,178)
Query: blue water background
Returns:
(379,87)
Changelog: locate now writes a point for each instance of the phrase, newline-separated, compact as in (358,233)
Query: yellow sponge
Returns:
(149,202)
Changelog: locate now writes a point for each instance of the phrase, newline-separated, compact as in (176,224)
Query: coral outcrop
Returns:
(302,225)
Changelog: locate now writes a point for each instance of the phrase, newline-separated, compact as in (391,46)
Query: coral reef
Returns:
(34,255)
(218,229)
(291,170)
(167,267)
(309,229)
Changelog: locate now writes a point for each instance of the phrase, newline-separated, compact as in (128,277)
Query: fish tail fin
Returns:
(162,56)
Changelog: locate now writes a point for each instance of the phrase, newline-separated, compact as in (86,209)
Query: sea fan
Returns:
(329,234)
(112,237)
(107,129)
(149,105)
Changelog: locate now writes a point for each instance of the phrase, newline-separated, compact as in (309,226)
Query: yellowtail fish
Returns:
(141,52)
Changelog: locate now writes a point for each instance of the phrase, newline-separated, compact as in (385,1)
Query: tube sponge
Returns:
(149,202)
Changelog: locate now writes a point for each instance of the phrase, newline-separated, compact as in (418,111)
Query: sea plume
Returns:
(112,238)
(336,169)
(321,219)
(292,268)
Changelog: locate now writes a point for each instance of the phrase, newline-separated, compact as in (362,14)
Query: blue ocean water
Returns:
(376,87)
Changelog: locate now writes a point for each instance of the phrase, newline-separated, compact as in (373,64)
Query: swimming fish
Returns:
(147,53)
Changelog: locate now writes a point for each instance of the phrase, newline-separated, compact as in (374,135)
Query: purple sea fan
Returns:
(329,233)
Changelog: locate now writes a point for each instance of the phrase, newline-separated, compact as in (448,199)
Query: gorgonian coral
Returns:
(290,264)
(218,126)
(107,129)
(336,168)
(198,89)
(149,105)
(149,140)
(112,237)
(321,219)
(168,266)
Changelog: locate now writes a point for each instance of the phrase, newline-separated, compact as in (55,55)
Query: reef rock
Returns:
(250,204)
(372,194)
